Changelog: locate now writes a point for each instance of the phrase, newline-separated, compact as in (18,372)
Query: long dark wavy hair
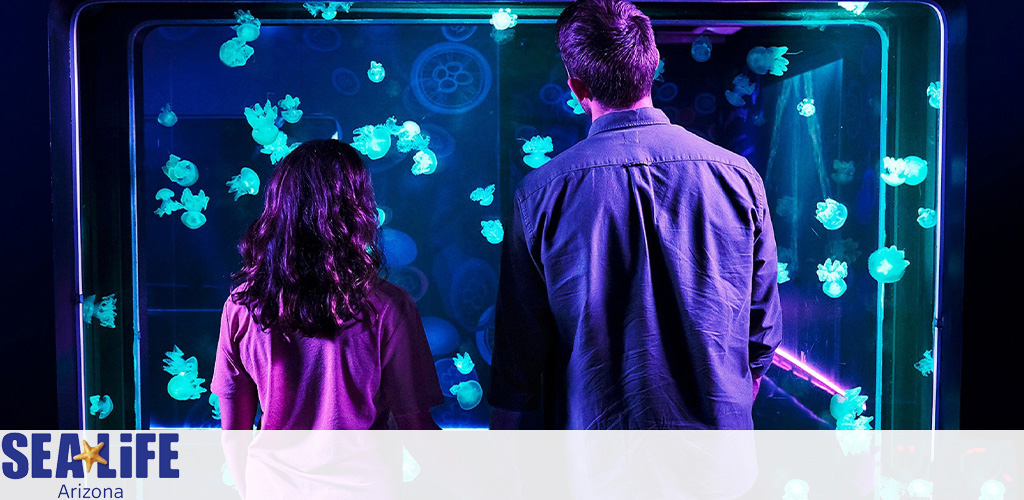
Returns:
(312,258)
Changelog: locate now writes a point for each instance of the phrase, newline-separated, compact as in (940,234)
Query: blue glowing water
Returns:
(441,335)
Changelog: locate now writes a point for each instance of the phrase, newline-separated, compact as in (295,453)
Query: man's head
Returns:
(608,47)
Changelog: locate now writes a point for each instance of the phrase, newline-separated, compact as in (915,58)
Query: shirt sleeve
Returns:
(765,305)
(524,327)
(229,376)
(408,378)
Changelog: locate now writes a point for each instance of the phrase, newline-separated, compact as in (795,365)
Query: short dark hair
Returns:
(609,46)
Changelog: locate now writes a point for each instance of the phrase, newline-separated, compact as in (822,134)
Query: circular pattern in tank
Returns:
(450,78)
(551,94)
(411,279)
(666,92)
(345,81)
(457,32)
(474,288)
(399,248)
(322,38)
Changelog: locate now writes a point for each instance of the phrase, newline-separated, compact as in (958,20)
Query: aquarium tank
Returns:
(169,118)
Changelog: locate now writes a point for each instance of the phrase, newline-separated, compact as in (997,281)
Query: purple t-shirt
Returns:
(355,380)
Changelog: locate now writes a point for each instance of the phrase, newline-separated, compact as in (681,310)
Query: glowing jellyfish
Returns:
(574,104)
(783,273)
(927,218)
(919,488)
(376,72)
(458,32)
(926,365)
(442,336)
(463,363)
(492,230)
(796,489)
(424,162)
(806,108)
(167,205)
(279,148)
(105,312)
(468,393)
(411,279)
(535,150)
(290,109)
(503,19)
(185,383)
(246,182)
(666,92)
(194,205)
(451,78)
(935,95)
(374,141)
(854,7)
(381,217)
(248,27)
(215,403)
(889,489)
(659,71)
(762,60)
(831,214)
(484,195)
(100,406)
(410,468)
(167,117)
(992,490)
(501,37)
(398,247)
(887,265)
(911,170)
(916,170)
(409,135)
(842,171)
(741,87)
(327,10)
(701,49)
(182,172)
(831,274)
(346,82)
(235,53)
(262,119)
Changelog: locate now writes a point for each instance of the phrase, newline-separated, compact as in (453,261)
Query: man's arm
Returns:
(765,306)
(524,330)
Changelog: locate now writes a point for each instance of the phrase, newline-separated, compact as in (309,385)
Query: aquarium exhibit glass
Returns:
(838,107)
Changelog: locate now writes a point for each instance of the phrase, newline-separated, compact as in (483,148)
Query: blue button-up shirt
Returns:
(638,285)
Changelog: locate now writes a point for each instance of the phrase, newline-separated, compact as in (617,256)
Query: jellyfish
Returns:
(167,117)
(374,141)
(786,207)
(182,172)
(501,37)
(845,249)
(492,230)
(503,19)
(701,49)
(290,109)
(185,383)
(806,108)
(935,95)
(916,169)
(992,490)
(832,274)
(919,488)
(246,182)
(574,104)
(235,53)
(847,404)
(535,150)
(381,217)
(279,148)
(167,205)
(442,336)
(468,393)
(927,218)
(484,195)
(424,162)
(409,135)
(796,489)
(463,363)
(376,72)
(741,86)
(248,27)
(831,214)
(763,60)
(843,171)
(105,311)
(410,468)
(783,273)
(262,119)
(887,265)
(194,205)
(854,7)
(894,171)
(100,406)
(926,365)
(215,403)
(327,10)
(659,71)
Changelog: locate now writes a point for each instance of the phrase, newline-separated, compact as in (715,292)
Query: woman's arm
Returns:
(237,414)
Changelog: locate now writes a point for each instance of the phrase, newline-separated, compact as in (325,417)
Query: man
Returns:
(638,275)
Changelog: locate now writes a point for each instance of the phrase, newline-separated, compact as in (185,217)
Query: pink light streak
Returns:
(819,379)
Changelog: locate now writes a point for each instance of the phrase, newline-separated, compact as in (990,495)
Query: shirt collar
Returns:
(628,118)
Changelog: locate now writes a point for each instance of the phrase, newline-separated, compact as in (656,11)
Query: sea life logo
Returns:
(46,455)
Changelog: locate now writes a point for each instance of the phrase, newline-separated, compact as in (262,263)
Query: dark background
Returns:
(992,325)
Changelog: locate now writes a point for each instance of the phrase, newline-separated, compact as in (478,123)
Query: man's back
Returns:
(639,276)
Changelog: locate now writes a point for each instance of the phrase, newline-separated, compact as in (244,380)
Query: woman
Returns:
(312,331)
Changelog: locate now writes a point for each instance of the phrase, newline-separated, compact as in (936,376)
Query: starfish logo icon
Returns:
(90,454)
